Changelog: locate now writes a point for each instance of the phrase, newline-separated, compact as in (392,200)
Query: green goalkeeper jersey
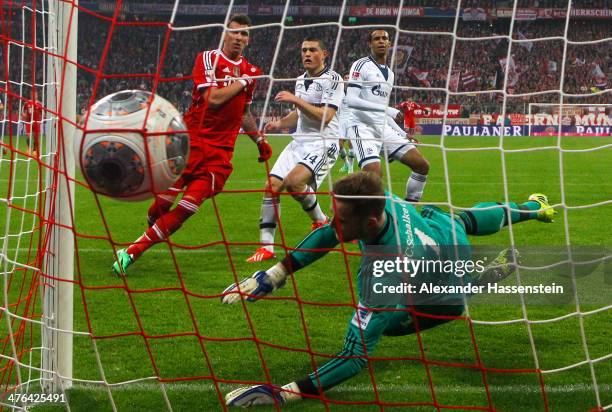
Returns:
(418,236)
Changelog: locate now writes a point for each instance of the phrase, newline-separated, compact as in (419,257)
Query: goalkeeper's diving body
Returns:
(378,219)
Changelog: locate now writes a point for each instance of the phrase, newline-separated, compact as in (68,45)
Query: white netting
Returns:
(33,62)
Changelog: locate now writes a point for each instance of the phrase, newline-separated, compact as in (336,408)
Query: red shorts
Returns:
(207,171)
(409,124)
(35,128)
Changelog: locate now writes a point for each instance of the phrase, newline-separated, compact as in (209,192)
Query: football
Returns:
(131,145)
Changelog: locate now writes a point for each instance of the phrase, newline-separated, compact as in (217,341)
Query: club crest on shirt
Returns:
(236,71)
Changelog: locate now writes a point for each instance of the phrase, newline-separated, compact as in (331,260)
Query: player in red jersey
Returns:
(408,107)
(32,116)
(222,92)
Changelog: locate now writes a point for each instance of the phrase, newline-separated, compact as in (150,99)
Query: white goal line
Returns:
(356,388)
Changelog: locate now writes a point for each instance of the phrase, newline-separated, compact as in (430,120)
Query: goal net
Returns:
(76,336)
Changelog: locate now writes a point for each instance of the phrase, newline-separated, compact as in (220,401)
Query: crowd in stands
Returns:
(132,59)
(586,4)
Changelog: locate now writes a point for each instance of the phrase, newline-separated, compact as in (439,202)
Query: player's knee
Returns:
(274,185)
(415,160)
(421,166)
(373,167)
(295,186)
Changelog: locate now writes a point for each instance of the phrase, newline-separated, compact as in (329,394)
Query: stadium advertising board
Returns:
(571,130)
(467,14)
(436,111)
(480,130)
(365,11)
(471,130)
(538,13)
(587,119)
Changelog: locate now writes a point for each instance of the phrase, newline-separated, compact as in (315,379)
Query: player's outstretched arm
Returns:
(260,284)
(316,245)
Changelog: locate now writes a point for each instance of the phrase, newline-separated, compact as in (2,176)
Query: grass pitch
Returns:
(164,329)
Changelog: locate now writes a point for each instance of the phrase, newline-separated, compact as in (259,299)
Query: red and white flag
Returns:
(468,80)
(421,76)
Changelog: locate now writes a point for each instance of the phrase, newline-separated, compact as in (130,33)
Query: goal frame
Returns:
(58,267)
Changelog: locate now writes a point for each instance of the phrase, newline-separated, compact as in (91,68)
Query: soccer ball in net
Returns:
(132,145)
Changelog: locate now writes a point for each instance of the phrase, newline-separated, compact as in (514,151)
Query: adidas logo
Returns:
(226,70)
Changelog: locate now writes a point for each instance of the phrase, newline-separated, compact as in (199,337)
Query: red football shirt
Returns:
(32,113)
(218,127)
(408,108)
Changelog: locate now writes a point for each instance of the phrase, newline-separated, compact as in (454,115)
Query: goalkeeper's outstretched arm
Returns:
(316,245)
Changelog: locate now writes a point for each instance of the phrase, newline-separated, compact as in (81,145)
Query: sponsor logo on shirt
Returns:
(377,91)
(409,251)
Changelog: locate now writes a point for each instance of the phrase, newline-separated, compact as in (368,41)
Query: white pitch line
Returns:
(361,388)
(260,182)
(207,250)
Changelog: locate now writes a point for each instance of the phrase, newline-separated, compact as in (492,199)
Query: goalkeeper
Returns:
(378,219)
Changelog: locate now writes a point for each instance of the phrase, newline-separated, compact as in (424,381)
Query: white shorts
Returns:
(318,156)
(368,144)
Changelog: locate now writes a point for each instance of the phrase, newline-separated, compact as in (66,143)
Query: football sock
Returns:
(162,228)
(270,207)
(414,187)
(479,221)
(310,205)
(291,392)
(159,207)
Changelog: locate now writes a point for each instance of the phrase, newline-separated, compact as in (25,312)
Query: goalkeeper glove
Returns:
(265,150)
(257,286)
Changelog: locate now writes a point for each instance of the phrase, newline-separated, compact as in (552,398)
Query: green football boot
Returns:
(124,259)
(546,212)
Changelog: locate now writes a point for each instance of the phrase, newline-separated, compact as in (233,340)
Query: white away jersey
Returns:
(322,90)
(375,82)
(344,117)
